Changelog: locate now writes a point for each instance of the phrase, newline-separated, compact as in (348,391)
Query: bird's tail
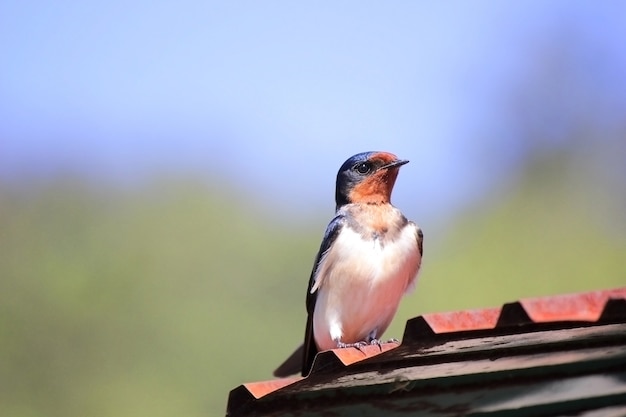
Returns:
(292,365)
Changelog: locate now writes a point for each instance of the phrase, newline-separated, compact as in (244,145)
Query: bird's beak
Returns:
(395,164)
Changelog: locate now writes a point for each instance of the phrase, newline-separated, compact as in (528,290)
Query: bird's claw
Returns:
(371,342)
(377,342)
(357,345)
(380,343)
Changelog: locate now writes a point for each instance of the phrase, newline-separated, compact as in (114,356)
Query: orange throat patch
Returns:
(375,189)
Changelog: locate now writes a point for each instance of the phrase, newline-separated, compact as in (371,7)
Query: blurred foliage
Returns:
(137,303)
(159,300)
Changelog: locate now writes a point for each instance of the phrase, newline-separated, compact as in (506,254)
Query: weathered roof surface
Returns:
(552,356)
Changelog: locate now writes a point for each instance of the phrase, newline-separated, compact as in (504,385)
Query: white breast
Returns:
(361,282)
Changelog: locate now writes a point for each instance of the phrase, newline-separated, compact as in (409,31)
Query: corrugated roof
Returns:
(562,355)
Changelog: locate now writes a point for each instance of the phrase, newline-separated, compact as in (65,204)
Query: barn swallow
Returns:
(369,258)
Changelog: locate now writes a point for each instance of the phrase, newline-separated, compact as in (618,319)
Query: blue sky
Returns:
(276,95)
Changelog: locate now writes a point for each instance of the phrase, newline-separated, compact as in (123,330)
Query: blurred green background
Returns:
(160,300)
(157,295)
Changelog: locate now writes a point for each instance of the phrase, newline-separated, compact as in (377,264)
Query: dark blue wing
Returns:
(310,349)
(302,359)
(332,231)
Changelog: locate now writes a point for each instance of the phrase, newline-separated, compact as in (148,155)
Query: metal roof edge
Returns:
(525,316)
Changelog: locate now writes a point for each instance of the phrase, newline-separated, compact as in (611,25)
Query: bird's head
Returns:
(367,177)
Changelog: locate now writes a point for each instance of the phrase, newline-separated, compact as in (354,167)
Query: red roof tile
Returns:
(573,307)
(458,321)
(261,388)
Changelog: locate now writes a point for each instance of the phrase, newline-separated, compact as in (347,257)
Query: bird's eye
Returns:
(363,168)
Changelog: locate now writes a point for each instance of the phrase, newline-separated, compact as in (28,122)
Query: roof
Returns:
(562,355)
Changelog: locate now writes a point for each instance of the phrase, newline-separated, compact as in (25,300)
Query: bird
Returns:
(369,258)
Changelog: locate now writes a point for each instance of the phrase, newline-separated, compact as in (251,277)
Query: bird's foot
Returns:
(379,343)
(376,342)
(357,345)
